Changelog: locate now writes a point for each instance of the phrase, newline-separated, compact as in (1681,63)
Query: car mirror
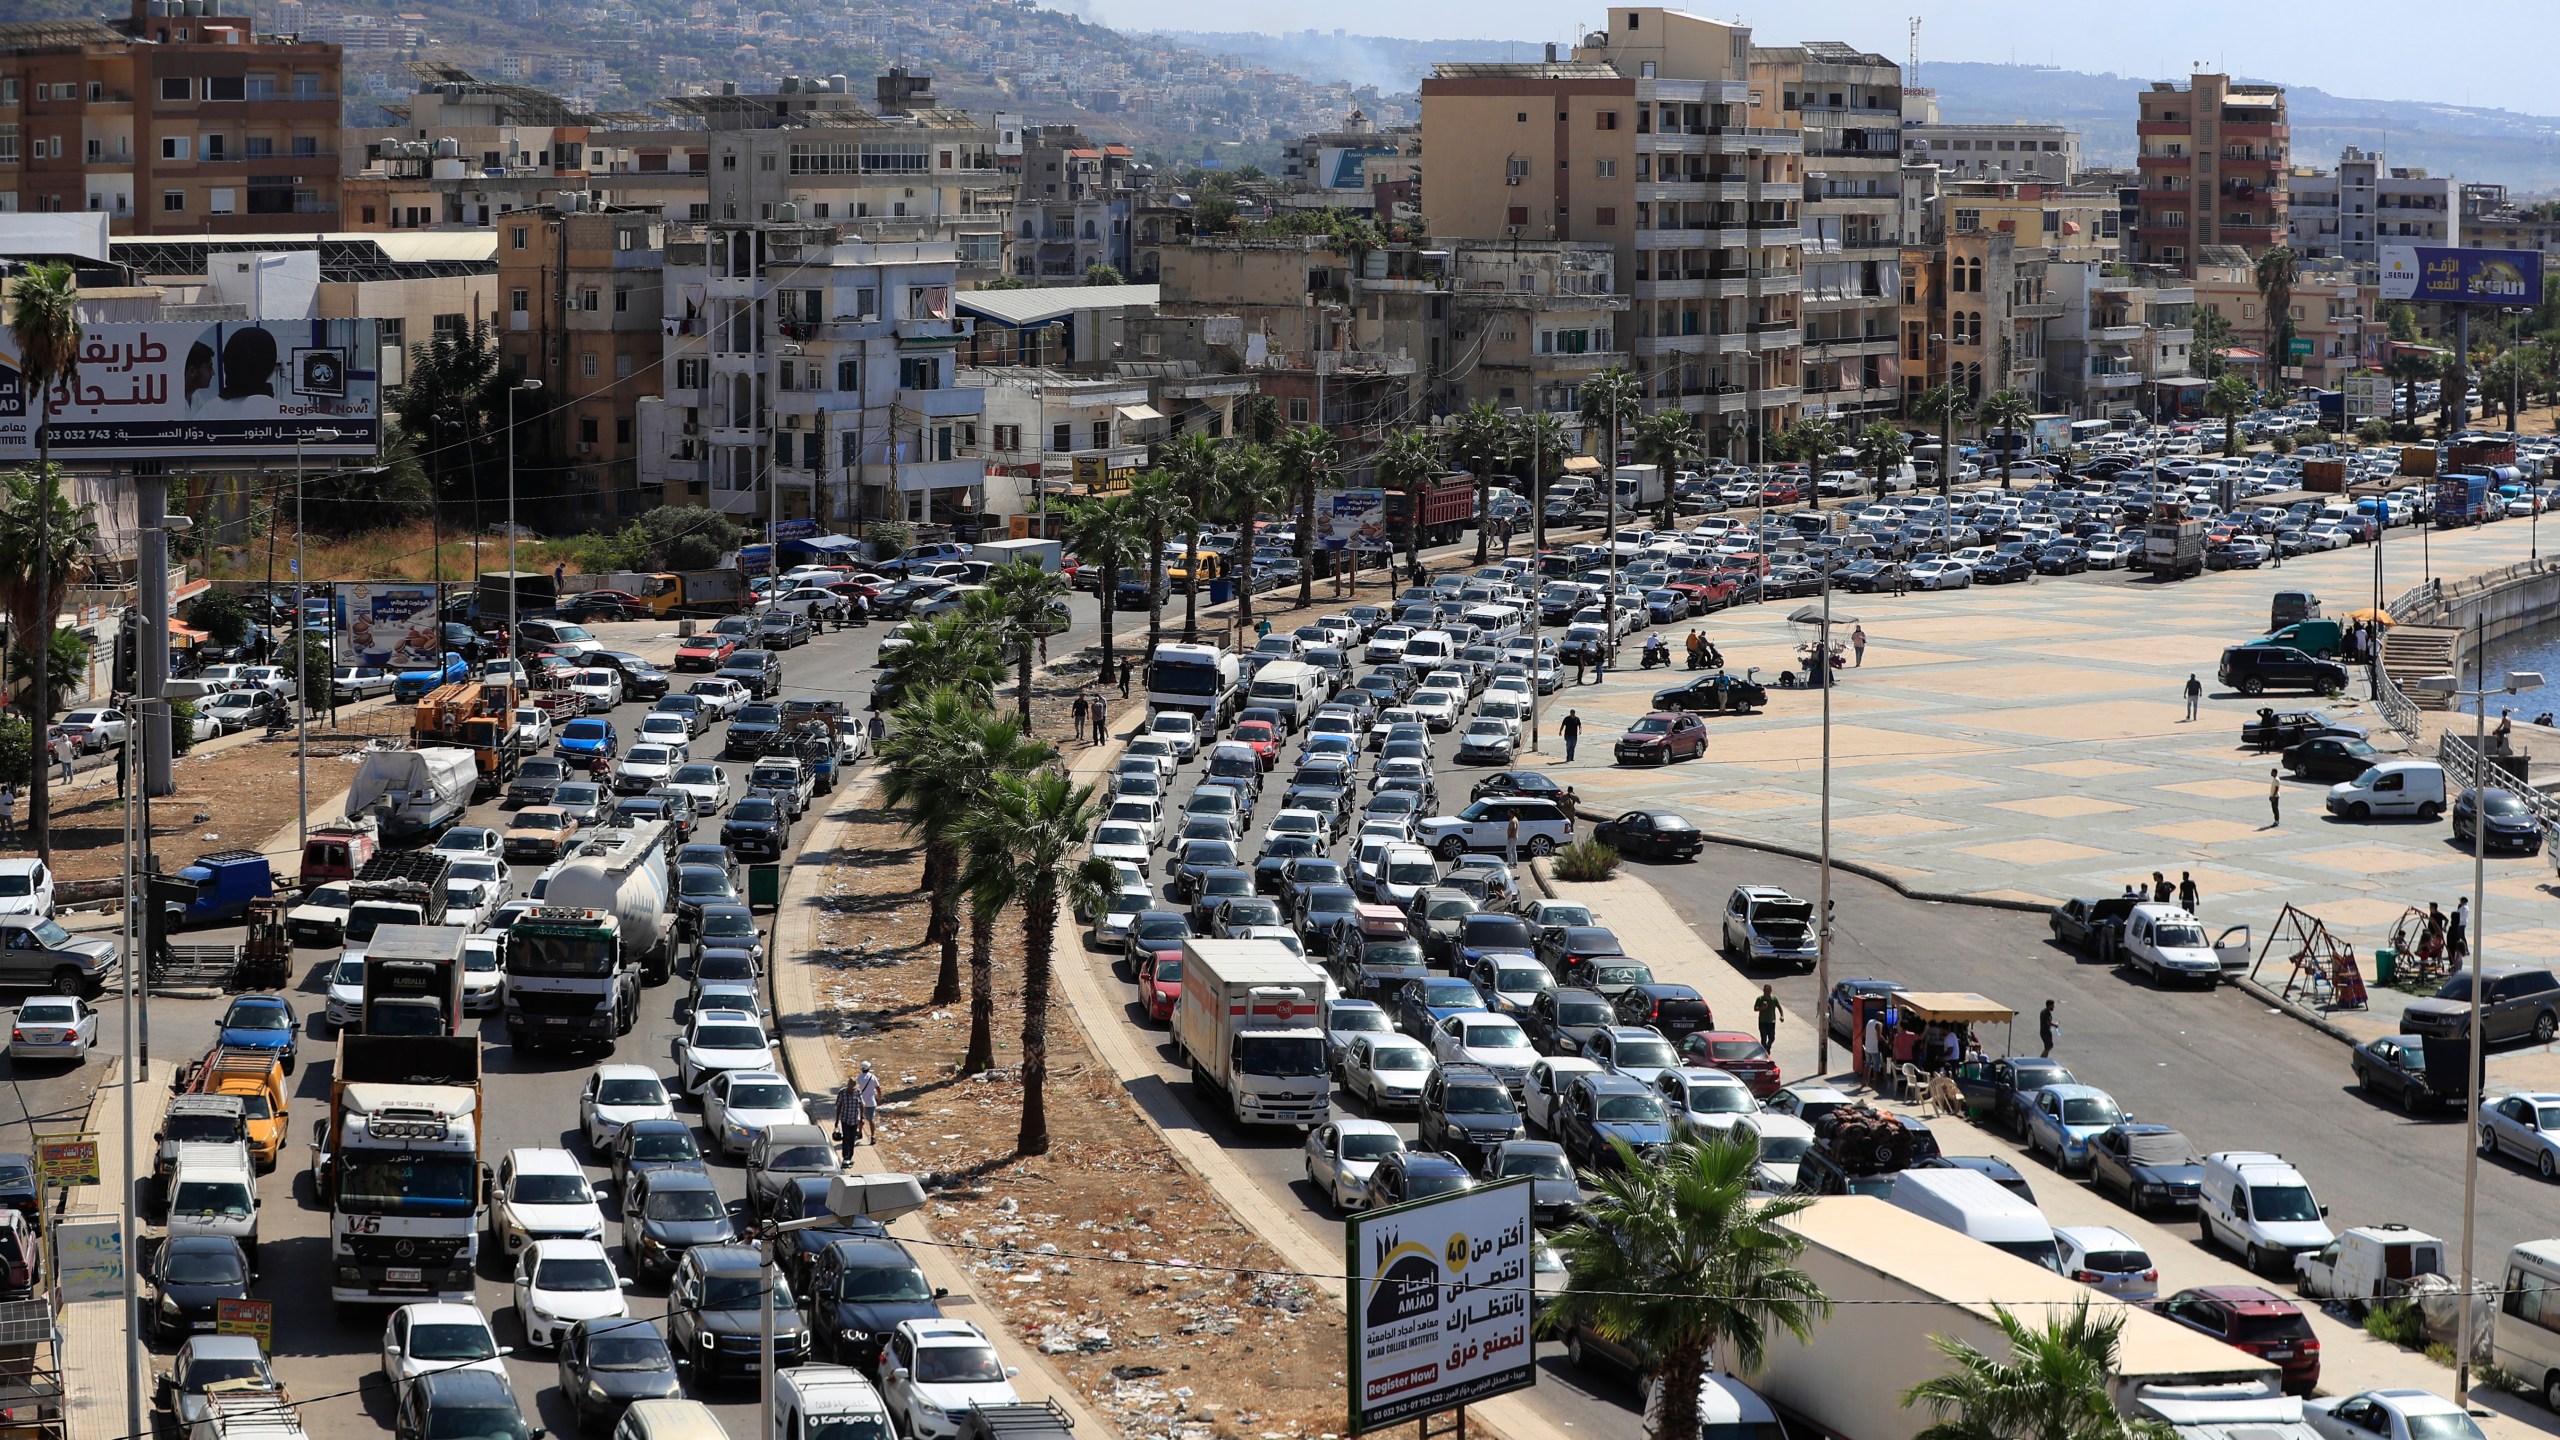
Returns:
(1012,1370)
(391,1347)
(897,1372)
(940,1293)
(2324,1212)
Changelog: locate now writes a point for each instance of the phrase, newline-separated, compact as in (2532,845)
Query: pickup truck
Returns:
(2368,1263)
(786,780)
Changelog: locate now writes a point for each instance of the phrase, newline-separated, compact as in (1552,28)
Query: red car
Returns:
(1739,1055)
(1704,596)
(2260,1322)
(1160,984)
(705,652)
(1662,737)
(1264,739)
(605,605)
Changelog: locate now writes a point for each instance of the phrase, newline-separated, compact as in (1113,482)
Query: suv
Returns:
(714,1308)
(1765,923)
(1467,1110)
(1598,1108)
(2256,1203)
(1486,826)
(2256,669)
(456,1402)
(760,671)
(2522,1000)
(936,1373)
(2258,1321)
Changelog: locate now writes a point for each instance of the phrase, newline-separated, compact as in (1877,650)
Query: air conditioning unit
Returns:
(1510,179)
(790,422)
(298,180)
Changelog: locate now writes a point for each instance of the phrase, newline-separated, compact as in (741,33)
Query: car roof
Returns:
(943,1332)
(444,1312)
(1432,1160)
(624,1070)
(463,1386)
(2247,1299)
(724,1257)
(2074,1092)
(546,1159)
(1353,1126)
(2097,1237)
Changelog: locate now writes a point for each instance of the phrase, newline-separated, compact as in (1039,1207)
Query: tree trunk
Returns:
(1155,588)
(1306,556)
(942,920)
(982,994)
(1022,685)
(1684,1369)
(1244,584)
(1039,924)
(1191,588)
(40,710)
(2008,447)
(1484,522)
(1110,593)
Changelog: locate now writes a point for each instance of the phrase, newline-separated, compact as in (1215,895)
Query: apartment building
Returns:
(1848,105)
(1072,208)
(1532,321)
(1054,433)
(2124,339)
(2046,153)
(584,306)
(1344,168)
(463,152)
(183,120)
(1354,343)
(1643,141)
(2069,225)
(2351,212)
(1974,310)
(2213,158)
(808,371)
(2335,314)
(2491,221)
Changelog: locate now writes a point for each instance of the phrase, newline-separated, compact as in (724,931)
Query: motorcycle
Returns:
(1656,653)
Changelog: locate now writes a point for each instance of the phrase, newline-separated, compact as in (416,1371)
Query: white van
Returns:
(1496,623)
(1971,1203)
(1292,687)
(2525,1337)
(2394,787)
(1427,648)
(2254,1202)
(213,1190)
(1727,1410)
(2168,944)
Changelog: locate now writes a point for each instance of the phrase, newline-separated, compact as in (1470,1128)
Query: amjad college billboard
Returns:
(191,390)
(2436,275)
(1439,1299)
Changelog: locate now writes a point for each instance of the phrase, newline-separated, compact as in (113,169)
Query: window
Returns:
(1968,220)
(622,430)
(589,298)
(587,436)
(306,146)
(9,91)
(519,299)
(1008,437)
(8,144)
(586,364)
(451,325)
(621,367)
(1608,119)
(848,374)
(519,236)
(1062,437)
(306,87)
(1519,215)
(1607,168)
(1101,434)
(259,147)
(621,300)
(226,87)
(260,87)
(1297,410)
(1607,216)
(220,202)
(174,87)
(173,147)
(173,200)
(729,162)
(213,147)
(919,373)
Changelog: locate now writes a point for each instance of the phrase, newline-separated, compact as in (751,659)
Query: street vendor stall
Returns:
(1915,1021)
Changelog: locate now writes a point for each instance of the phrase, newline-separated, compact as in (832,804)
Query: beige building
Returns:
(1355,343)
(1532,321)
(2124,338)
(463,151)
(2333,314)
(2213,159)
(1848,104)
(583,314)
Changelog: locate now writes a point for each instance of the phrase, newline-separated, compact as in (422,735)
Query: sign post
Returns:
(1439,1301)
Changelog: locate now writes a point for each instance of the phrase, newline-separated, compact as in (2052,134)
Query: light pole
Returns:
(302,649)
(2450,686)
(1823,619)
(514,652)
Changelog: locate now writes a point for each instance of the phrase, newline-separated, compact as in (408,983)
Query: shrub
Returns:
(889,539)
(220,614)
(1586,860)
(182,727)
(2284,444)
(2396,1324)
(2374,432)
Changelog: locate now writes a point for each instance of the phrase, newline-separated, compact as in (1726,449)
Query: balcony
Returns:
(962,403)
(2150,161)
(2116,334)
(1771,335)
(931,328)
(2161,127)
(1843,346)
(1680,289)
(2037,310)
(934,474)
(2119,380)
(1588,362)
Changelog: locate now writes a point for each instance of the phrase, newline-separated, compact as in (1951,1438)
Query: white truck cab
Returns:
(2367,1263)
(2256,1203)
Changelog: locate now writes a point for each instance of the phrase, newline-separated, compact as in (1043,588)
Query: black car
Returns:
(860,1290)
(760,671)
(2394,1068)
(475,1403)
(2510,825)
(605,1365)
(797,1251)
(640,679)
(2256,669)
(715,1306)
(1416,1175)
(2003,570)
(1561,948)
(2331,757)
(1467,1113)
(782,629)
(1716,693)
(1654,834)
(697,886)
(648,1147)
(1560,1020)
(2096,926)
(1271,867)
(1534,783)
(667,1214)
(752,731)
(2151,1166)
(19,1189)
(2062,560)
(755,828)
(2283,729)
(1866,577)
(191,1275)
(1676,1010)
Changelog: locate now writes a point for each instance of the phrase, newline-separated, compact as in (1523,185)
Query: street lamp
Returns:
(520,387)
(302,647)
(1823,618)
(2450,686)
(882,1197)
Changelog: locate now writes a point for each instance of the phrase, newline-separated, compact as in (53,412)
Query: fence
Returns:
(2465,766)
(2397,708)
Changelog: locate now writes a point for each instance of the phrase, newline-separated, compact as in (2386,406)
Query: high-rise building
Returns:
(183,120)
(581,312)
(1848,105)
(2351,212)
(2213,159)
(1997,152)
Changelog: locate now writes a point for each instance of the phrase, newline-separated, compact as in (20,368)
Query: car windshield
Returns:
(728,1037)
(958,1365)
(1398,1057)
(1650,725)
(1477,1100)
(2282,1204)
(584,730)
(1411,872)
(1784,1149)
(631,1092)
(885,1282)
(1629,1109)
(738,1292)
(1720,1100)
(1645,1050)
(1536,1164)
(628,1347)
(667,1143)
(1505,1036)
(1736,1050)
(764,1096)
(205,1265)
(759,808)
(1449,995)
(2442,1427)
(1512,981)
(802,1157)
(451,1343)
(684,1205)
(552,1190)
(587,1272)
(2179,937)
(249,1017)
(2090,1110)
(1449,908)
(697,775)
(1621,975)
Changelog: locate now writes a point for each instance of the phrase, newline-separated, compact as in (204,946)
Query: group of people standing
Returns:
(2160,891)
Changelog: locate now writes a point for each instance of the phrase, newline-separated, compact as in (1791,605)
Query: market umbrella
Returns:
(2373,614)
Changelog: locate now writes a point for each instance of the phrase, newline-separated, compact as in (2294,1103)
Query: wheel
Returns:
(2359,811)
(2254,1263)
(2488,1142)
(2546,1167)
(1452,848)
(2545,1025)
(67,981)
(2430,810)
(1541,845)
(2551,1389)
(2410,1100)
(2253,686)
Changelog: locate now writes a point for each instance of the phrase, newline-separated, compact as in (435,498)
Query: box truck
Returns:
(1249,1023)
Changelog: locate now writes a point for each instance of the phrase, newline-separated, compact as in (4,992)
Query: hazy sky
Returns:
(2474,52)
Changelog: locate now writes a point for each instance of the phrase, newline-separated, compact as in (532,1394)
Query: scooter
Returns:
(1655,655)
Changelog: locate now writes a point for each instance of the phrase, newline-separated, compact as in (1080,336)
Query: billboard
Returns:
(185,390)
(2368,397)
(2436,275)
(1439,1301)
(1359,521)
(390,623)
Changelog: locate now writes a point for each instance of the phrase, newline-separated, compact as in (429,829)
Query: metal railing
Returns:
(2470,771)
(2398,710)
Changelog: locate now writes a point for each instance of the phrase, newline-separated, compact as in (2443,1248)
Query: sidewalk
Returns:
(96,1334)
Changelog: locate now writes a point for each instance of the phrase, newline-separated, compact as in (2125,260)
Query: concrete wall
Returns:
(2500,602)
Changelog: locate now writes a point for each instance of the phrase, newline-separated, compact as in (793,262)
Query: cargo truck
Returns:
(1203,679)
(2172,544)
(1248,1024)
(412,795)
(396,887)
(413,980)
(1639,487)
(665,592)
(1924,1282)
(576,962)
(2461,499)
(476,717)
(1448,507)
(397,1162)
(1044,553)
(533,591)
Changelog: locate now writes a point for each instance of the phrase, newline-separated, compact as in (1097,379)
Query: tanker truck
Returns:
(576,962)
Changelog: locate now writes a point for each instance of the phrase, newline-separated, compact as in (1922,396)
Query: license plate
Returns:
(2280,1354)
(563,1020)
(404,1275)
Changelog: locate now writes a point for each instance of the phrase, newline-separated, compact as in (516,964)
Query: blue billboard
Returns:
(2436,275)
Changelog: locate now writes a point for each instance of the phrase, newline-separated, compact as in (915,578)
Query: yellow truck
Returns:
(258,1079)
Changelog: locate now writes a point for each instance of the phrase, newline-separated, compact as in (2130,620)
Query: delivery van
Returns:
(1971,1203)
(2394,787)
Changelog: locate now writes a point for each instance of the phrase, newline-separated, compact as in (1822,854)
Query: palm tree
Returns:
(1409,462)
(2230,398)
(1000,751)
(2505,379)
(1480,439)
(1191,462)
(1306,455)
(2411,368)
(2006,410)
(927,771)
(1246,484)
(1666,440)
(2053,1386)
(1028,604)
(1880,448)
(1676,1255)
(44,321)
(1159,503)
(2276,271)
(70,533)
(1027,850)
(1945,406)
(952,650)
(1104,532)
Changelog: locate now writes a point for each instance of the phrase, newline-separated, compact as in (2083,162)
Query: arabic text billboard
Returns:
(187,390)
(2435,275)
(390,623)
(1359,522)
(1439,1302)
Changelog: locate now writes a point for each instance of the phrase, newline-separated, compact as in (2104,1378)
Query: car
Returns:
(1662,737)
(607,1365)
(1555,1194)
(1487,741)
(2107,1260)
(2273,729)
(782,1160)
(716,1308)
(1782,1142)
(1412,1174)
(2257,1321)
(716,1042)
(1632,1050)
(1485,1040)
(235,710)
(539,832)
(262,1022)
(2519,1000)
(1737,1054)
(542,1194)
(1565,946)
(2408,1414)
(2394,1068)
(458,1401)
(2061,1120)
(560,1282)
(1807,1100)
(95,729)
(739,1105)
(616,1095)
(1601,1111)
(756,828)
(1420,1005)
(1764,924)
(2151,1167)
(2258,668)
(2333,758)
(934,1373)
(1840,1008)
(439,1337)
(2510,826)
(2526,1126)
(53,1027)
(1467,1111)
(190,1276)
(1663,835)
(1999,1090)
(589,606)
(2093,926)
(1341,1155)
(359,682)
(1494,824)
(722,698)
(1944,574)
(1703,1103)
(1385,1071)
(1533,784)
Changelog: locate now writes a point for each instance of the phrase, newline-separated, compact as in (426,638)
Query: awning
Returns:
(822,545)
(1140,412)
(1952,1007)
(1581,465)
(2181,382)
(2245,357)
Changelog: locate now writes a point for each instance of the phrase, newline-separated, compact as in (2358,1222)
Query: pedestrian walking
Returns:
(1082,729)
(1571,730)
(1124,679)
(2047,1028)
(2457,935)
(2195,695)
(879,727)
(8,814)
(66,751)
(2188,895)
(857,1106)
(1858,643)
(2162,892)
(1901,580)
(1101,720)
(1571,804)
(2275,798)
(1873,1049)
(1770,1012)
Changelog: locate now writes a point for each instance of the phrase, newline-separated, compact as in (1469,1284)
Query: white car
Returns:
(643,768)
(614,1096)
(1386,1071)
(2109,555)
(1155,749)
(1128,894)
(472,840)
(738,1105)
(26,888)
(321,918)
(665,727)
(2526,1126)
(707,784)
(439,1335)
(1122,842)
(533,728)
(1704,1102)
(933,1372)
(1806,1100)
(561,1282)
(469,903)
(2109,1261)
(486,870)
(2389,1415)
(716,1042)
(1304,823)
(483,982)
(345,1005)
(1480,1037)
(542,1194)
(1940,574)
(53,1027)
(361,682)
(1438,708)
(1178,729)
(1549,1079)
(722,698)
(1341,1155)
(602,686)
(1783,1141)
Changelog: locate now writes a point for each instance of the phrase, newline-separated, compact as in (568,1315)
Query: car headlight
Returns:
(921,1403)
(596,1393)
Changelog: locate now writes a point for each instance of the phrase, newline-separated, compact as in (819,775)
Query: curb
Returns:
(1869,872)
(2296,1009)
